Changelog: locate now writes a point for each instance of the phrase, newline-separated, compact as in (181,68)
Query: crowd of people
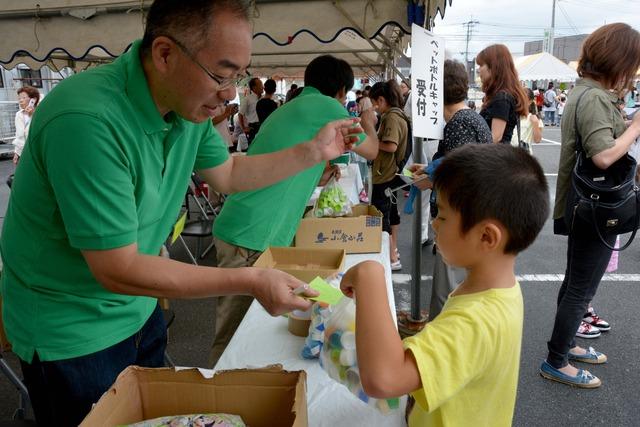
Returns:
(101,180)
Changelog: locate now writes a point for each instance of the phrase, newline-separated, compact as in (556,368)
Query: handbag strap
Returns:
(518,127)
(578,147)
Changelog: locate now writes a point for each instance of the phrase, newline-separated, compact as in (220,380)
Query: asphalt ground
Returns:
(540,402)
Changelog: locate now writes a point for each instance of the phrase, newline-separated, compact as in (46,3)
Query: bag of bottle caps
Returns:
(332,201)
(338,356)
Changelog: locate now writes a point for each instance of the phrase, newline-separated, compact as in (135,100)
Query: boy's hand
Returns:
(358,274)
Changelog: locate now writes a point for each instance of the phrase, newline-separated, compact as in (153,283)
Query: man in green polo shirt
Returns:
(99,186)
(253,220)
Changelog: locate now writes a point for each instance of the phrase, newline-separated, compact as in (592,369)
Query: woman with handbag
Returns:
(504,99)
(594,138)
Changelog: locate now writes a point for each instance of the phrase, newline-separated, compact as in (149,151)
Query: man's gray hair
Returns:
(188,21)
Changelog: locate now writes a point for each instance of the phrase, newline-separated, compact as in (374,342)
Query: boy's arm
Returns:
(386,369)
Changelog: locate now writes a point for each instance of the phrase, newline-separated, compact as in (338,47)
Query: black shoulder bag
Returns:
(608,200)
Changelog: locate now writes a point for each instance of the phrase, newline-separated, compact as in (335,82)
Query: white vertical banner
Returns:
(427,70)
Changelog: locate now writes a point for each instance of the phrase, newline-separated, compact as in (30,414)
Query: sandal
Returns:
(592,356)
(584,379)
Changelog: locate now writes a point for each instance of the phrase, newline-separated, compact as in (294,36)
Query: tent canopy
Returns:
(287,34)
(543,66)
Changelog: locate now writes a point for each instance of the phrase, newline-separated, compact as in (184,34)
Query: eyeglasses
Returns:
(223,82)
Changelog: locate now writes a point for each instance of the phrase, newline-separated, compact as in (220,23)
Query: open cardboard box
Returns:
(303,263)
(361,232)
(262,397)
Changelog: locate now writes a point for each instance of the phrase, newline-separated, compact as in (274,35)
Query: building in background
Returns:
(566,49)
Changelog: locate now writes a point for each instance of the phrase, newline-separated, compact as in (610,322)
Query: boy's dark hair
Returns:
(294,86)
(329,74)
(496,181)
(455,82)
(270,87)
(187,21)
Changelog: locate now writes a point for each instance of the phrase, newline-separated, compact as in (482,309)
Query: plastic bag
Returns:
(339,358)
(320,312)
(221,420)
(332,201)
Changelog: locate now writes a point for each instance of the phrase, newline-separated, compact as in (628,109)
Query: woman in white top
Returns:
(28,98)
(530,126)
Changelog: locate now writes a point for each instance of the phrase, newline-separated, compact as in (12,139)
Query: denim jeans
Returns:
(63,391)
(550,117)
(587,260)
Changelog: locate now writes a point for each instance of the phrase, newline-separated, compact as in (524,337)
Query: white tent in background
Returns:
(543,66)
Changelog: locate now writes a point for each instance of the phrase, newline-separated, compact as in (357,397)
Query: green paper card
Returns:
(407,173)
(328,294)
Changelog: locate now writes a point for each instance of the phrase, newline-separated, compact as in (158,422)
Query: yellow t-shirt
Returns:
(468,359)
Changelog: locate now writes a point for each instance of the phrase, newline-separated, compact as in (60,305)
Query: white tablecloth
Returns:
(264,340)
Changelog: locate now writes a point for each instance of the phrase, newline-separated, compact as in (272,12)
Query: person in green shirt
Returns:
(99,186)
(251,221)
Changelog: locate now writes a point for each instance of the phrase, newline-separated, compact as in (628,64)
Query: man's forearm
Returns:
(161,277)
(251,172)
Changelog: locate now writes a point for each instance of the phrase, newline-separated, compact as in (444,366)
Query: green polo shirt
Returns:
(102,169)
(600,123)
(270,216)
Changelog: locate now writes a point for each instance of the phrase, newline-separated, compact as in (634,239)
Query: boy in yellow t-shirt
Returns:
(462,368)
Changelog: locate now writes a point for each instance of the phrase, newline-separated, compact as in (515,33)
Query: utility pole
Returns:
(553,28)
(469,25)
(470,68)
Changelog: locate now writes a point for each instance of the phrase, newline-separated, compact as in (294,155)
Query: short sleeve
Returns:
(500,107)
(595,124)
(450,353)
(90,176)
(212,150)
(393,129)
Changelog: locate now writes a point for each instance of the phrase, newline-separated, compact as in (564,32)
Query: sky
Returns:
(513,22)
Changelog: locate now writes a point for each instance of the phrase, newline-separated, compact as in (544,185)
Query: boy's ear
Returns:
(492,237)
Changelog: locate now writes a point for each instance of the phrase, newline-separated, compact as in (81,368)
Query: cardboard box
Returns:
(305,264)
(262,397)
(359,233)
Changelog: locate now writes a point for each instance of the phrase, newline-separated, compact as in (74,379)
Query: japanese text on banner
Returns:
(427,68)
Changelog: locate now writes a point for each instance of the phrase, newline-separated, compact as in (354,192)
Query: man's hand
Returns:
(368,119)
(275,292)
(329,172)
(15,158)
(335,138)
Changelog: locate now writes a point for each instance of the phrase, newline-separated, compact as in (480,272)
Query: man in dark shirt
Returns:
(267,105)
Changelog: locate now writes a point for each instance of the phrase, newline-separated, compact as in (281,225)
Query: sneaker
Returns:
(585,330)
(395,266)
(593,319)
(591,356)
(584,379)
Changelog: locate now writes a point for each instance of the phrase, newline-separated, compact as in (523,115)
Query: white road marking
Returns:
(550,142)
(550,174)
(400,278)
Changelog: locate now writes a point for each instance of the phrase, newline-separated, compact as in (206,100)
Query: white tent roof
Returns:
(543,66)
(287,34)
